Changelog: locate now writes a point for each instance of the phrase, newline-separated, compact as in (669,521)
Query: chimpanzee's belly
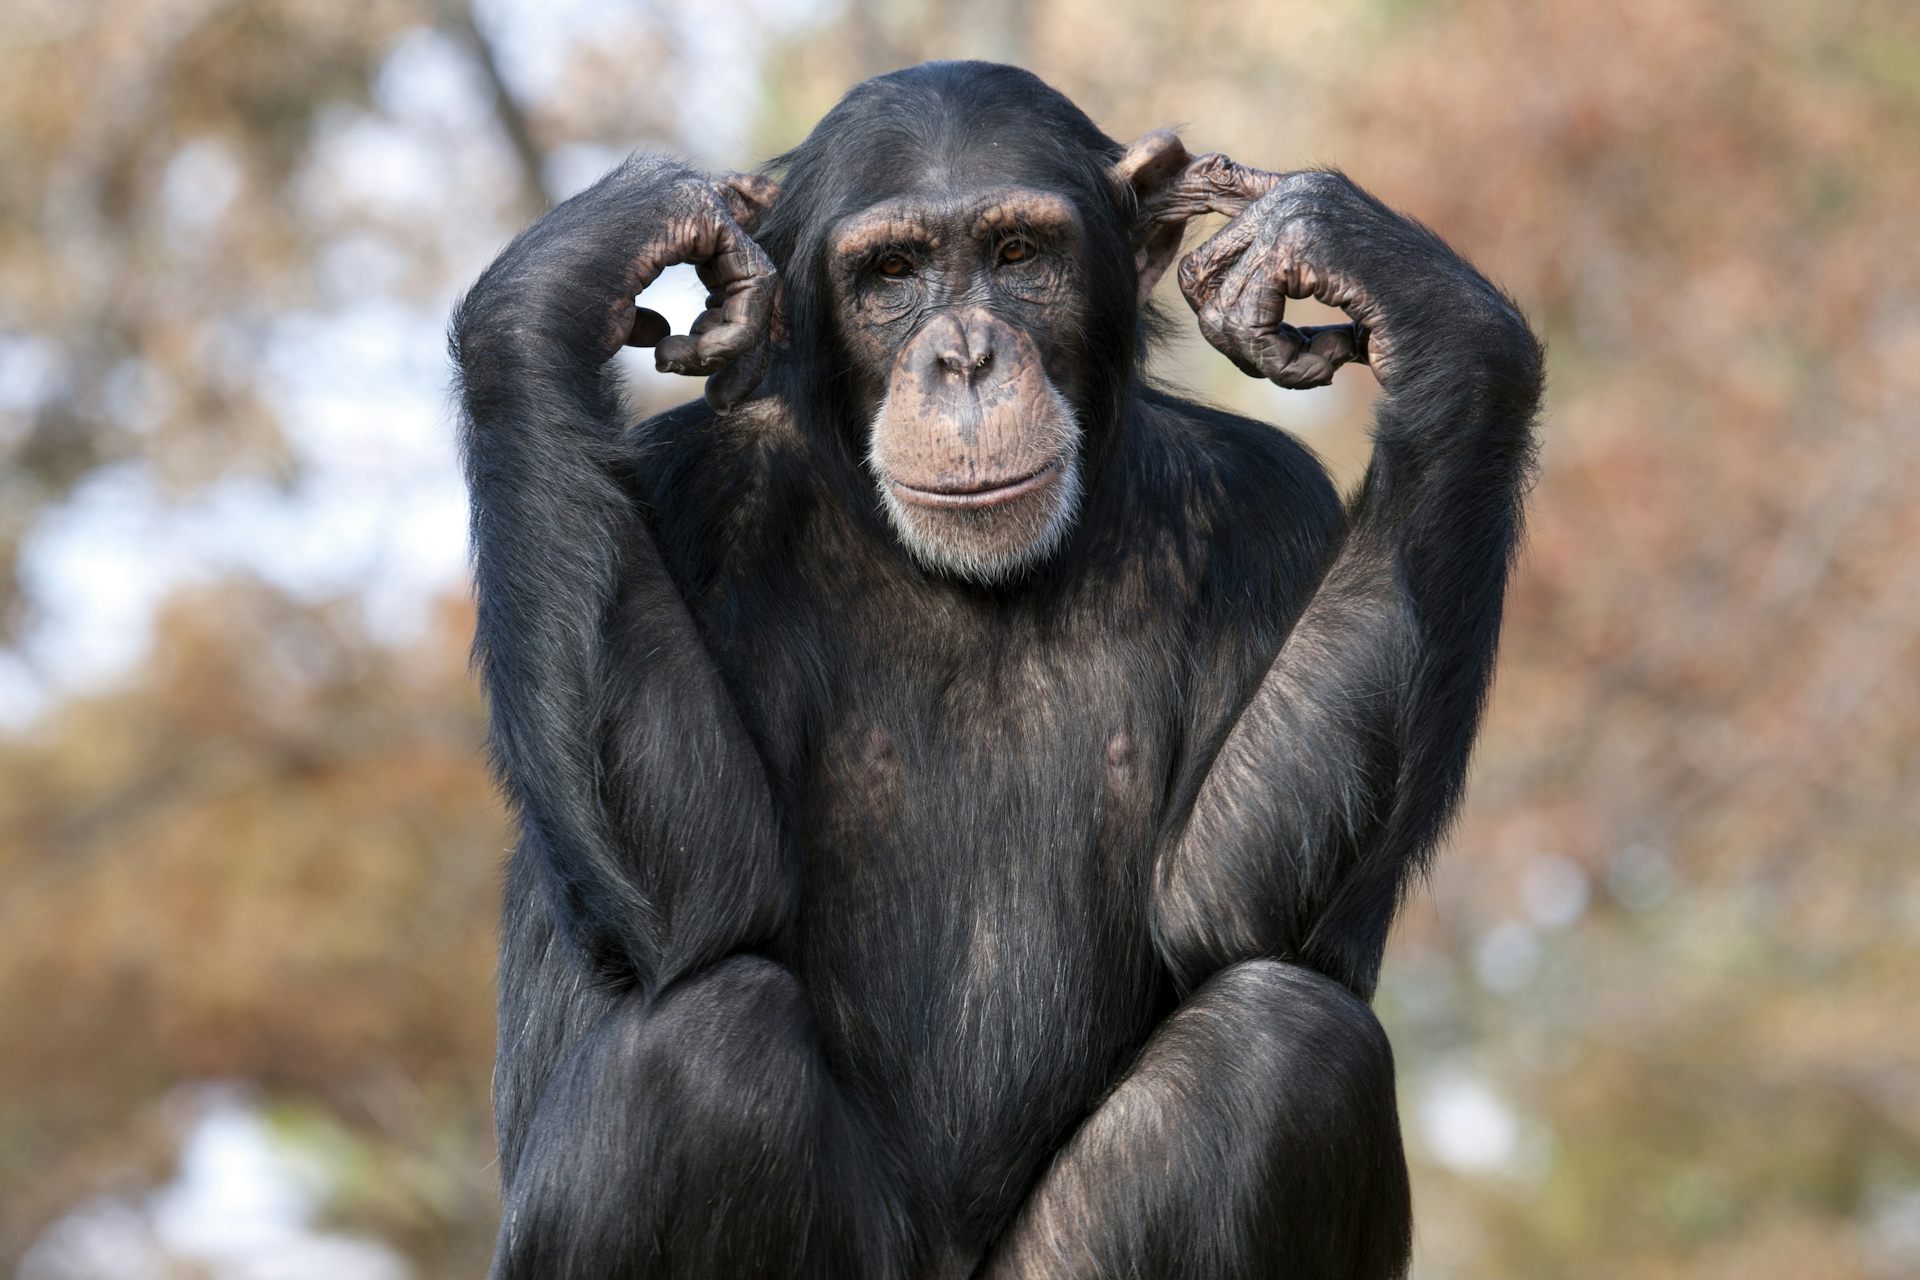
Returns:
(977,785)
(974,931)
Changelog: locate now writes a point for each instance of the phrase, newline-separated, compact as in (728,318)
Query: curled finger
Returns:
(1216,328)
(648,328)
(1202,271)
(740,281)
(679,353)
(1276,351)
(734,383)
(1215,183)
(1324,349)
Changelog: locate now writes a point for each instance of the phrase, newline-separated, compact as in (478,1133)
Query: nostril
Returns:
(984,359)
(951,362)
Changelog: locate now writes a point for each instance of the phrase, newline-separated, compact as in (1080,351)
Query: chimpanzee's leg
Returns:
(1255,1137)
(694,1135)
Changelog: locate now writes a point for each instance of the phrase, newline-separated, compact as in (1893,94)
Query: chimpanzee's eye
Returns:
(1013,251)
(895,266)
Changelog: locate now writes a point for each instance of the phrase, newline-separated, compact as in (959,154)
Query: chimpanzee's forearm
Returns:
(614,735)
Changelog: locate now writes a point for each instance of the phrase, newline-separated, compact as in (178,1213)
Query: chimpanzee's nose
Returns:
(963,361)
(962,347)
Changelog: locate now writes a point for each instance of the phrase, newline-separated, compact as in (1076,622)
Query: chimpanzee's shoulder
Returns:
(715,485)
(1253,487)
(687,450)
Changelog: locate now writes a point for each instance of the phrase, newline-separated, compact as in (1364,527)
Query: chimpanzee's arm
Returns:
(1256,1136)
(615,738)
(1347,763)
(673,1113)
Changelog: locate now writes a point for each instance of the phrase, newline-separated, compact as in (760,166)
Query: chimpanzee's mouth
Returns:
(972,495)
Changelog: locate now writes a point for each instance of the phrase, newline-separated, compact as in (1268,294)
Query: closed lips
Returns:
(984,494)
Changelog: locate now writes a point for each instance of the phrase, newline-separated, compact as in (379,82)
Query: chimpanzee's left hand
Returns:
(1308,234)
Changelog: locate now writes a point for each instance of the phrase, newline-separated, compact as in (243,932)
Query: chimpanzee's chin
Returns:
(992,533)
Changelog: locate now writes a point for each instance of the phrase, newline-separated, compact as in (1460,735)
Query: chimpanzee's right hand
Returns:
(579,268)
(727,343)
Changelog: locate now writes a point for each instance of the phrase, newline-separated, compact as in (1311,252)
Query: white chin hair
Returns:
(940,541)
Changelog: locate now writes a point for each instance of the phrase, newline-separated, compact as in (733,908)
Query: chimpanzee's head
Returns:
(963,266)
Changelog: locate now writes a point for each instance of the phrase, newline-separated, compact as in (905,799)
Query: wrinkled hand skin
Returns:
(612,241)
(1308,234)
(727,343)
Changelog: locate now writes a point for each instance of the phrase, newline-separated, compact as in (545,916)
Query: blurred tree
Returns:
(275,860)
(124,121)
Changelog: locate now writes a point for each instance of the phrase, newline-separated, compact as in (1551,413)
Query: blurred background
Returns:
(1656,1013)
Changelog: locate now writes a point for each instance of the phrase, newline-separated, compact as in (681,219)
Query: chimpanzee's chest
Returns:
(976,798)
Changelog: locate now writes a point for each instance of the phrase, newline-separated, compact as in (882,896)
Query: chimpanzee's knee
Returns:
(1256,1136)
(1315,1061)
(1302,1021)
(731,1054)
(693,1134)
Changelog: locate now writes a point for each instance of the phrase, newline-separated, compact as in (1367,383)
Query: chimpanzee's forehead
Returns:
(934,215)
(890,159)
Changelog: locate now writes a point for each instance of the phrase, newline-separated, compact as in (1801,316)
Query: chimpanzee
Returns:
(963,787)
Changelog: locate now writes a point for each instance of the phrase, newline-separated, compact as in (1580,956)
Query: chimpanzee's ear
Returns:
(748,197)
(1149,169)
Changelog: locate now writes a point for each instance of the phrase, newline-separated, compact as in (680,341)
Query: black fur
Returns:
(866,923)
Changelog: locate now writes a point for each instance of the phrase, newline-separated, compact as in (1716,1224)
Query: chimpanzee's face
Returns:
(961,312)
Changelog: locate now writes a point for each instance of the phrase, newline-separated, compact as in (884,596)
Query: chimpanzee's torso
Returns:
(1005,754)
